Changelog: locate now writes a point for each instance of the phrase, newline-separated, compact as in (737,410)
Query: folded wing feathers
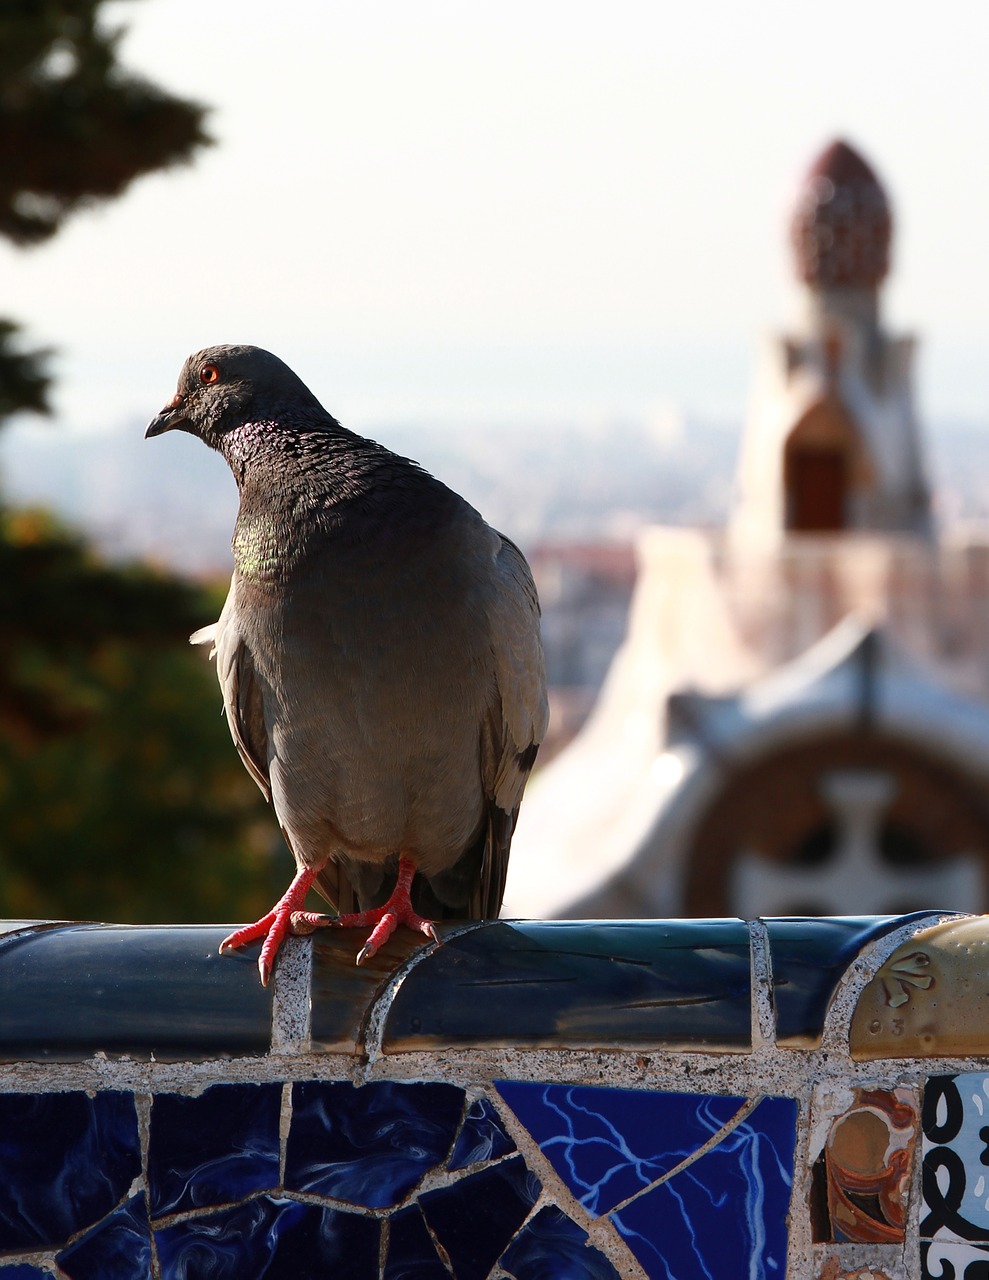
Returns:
(512,732)
(242,700)
(519,674)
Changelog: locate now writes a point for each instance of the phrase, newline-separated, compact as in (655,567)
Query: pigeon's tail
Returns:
(472,889)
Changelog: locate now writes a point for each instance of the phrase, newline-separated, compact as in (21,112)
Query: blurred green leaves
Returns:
(75,129)
(75,126)
(121,795)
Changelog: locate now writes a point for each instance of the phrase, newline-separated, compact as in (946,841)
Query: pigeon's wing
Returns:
(517,718)
(335,883)
(242,699)
(513,725)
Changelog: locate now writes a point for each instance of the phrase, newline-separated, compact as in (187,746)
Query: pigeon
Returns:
(379,657)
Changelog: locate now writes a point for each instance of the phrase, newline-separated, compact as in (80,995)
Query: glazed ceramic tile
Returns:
(671,983)
(66,1160)
(271,1237)
(411,1252)
(213,1149)
(343,992)
(930,998)
(956,1158)
(862,1175)
(950,1260)
(667,1167)
(476,1218)
(370,1145)
(25,926)
(833,1269)
(607,1144)
(118,1248)
(724,1215)
(551,1245)
(809,958)
(482,1137)
(69,992)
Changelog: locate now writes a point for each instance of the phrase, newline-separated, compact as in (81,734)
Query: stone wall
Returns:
(723,1099)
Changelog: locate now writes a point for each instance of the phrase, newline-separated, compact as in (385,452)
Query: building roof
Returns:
(842,224)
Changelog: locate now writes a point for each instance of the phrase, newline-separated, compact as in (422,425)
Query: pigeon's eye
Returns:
(209,373)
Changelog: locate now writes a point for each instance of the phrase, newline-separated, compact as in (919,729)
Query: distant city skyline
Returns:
(525,212)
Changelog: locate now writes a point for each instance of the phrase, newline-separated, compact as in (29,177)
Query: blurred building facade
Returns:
(585,589)
(798,719)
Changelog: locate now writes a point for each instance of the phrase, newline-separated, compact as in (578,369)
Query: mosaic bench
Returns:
(702,1100)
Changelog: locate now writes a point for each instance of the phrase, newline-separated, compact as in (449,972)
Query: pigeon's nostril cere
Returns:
(177,401)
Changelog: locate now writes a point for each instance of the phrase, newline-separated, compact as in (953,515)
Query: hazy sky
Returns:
(538,210)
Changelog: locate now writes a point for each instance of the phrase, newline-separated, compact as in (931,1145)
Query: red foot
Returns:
(275,925)
(386,919)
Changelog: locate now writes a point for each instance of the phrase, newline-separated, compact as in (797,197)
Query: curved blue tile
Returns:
(213,1149)
(163,991)
(411,1252)
(724,1215)
(275,1239)
(580,983)
(607,1144)
(809,958)
(66,1160)
(553,1247)
(119,1248)
(476,1218)
(369,1145)
(482,1137)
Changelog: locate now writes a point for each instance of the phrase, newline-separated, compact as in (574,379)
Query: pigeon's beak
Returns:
(173,415)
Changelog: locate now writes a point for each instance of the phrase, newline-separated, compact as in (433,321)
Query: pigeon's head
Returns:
(222,387)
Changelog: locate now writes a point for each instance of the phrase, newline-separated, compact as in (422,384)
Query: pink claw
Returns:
(275,925)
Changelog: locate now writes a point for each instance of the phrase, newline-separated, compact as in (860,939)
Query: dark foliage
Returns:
(121,796)
(75,129)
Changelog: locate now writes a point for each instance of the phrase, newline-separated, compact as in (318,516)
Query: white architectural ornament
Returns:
(855,869)
(831,443)
(828,633)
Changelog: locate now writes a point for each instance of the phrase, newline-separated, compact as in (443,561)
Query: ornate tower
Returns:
(798,721)
(831,443)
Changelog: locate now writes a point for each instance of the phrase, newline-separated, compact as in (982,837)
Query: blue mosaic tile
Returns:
(607,1144)
(66,1160)
(725,1214)
(411,1252)
(342,992)
(276,1239)
(955,1171)
(143,991)
(553,1247)
(213,1149)
(369,1145)
(118,1248)
(476,1218)
(482,1137)
(23,1271)
(809,958)
(671,983)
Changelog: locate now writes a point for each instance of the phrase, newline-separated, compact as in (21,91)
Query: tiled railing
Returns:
(704,1100)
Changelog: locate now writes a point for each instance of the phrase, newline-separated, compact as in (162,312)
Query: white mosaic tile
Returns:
(953,1260)
(956,1162)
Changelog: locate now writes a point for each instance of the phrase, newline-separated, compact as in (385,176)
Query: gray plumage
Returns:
(378,652)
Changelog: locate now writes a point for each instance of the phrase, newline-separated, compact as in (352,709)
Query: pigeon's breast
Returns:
(379,664)
(270,543)
(258,551)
